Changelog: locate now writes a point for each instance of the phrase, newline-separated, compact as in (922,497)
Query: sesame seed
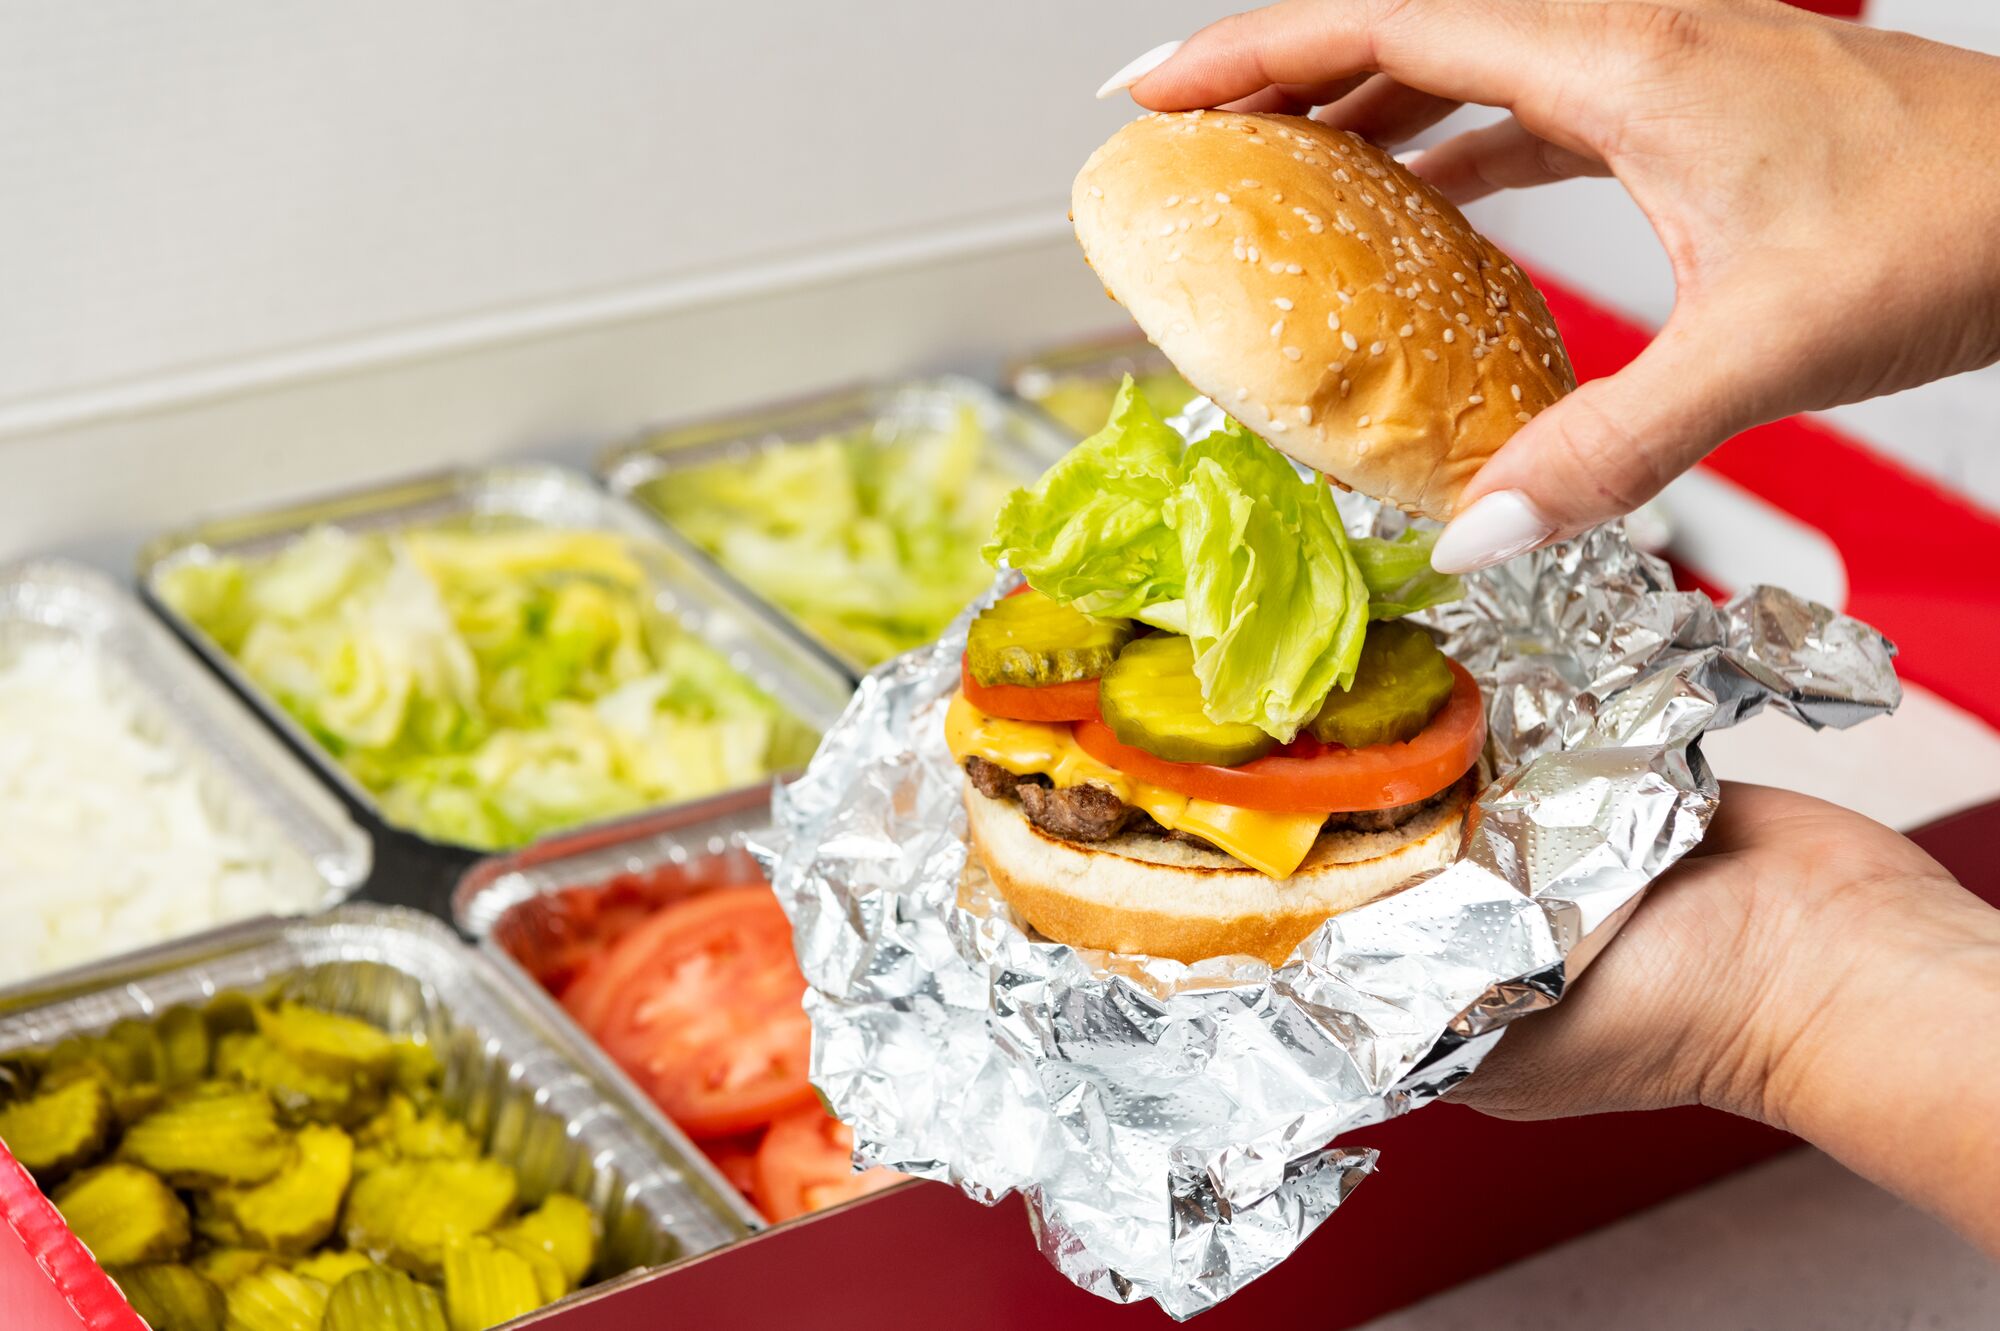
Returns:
(1242,395)
(1406,330)
(1220,197)
(1173,199)
(1338,366)
(1277,328)
(1340,174)
(1523,417)
(1274,267)
(1375,348)
(1283,302)
(1252,252)
(1346,297)
(1167,228)
(1430,355)
(1365,421)
(1349,341)
(1517,392)
(1475,399)
(1277,426)
(1333,320)
(1465,319)
(1293,269)
(1305,415)
(1277,197)
(1458,277)
(1211,219)
(1293,353)
(1250,184)
(1545,360)
(1451,335)
(1345,384)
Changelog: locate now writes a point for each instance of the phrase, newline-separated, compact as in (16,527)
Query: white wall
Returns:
(195,185)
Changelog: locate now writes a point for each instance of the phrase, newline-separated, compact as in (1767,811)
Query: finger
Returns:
(1294,99)
(1605,449)
(1384,111)
(1506,155)
(1499,52)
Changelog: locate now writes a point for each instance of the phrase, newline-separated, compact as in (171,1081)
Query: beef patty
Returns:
(1092,813)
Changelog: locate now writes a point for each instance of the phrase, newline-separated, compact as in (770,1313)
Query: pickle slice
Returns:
(1402,682)
(125,1215)
(209,1139)
(378,1300)
(295,1208)
(300,1093)
(563,1227)
(1151,700)
(330,1266)
(223,1267)
(486,1284)
(185,1047)
(61,1128)
(1031,640)
(274,1300)
(327,1042)
(401,1132)
(171,1297)
(405,1213)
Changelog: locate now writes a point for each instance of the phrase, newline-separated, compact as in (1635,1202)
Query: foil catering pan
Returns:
(1018,444)
(753,642)
(512,1070)
(253,788)
(515,905)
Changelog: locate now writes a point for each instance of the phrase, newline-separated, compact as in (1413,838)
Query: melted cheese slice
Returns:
(1271,843)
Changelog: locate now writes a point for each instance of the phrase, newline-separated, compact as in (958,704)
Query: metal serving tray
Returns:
(513,1068)
(753,641)
(1023,443)
(512,903)
(255,787)
(1032,378)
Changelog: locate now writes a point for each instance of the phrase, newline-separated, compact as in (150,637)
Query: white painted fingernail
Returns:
(1138,69)
(1499,526)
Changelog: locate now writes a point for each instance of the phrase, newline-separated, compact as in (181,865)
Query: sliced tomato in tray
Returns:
(806,1164)
(701,1004)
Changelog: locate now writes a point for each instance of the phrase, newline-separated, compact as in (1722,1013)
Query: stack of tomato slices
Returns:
(699,1000)
(1305,776)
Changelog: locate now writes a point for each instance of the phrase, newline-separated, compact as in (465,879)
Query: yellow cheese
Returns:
(1271,843)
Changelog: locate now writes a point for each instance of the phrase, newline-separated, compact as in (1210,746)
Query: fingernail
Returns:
(1138,69)
(1499,526)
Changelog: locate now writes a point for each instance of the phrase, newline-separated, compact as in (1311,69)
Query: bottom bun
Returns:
(1144,894)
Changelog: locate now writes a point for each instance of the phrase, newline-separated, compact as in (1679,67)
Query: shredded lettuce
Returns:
(1222,540)
(870,543)
(490,685)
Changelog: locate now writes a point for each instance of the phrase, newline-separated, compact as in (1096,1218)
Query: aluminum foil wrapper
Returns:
(1173,1126)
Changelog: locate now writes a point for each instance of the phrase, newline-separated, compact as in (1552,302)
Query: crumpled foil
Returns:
(1171,1125)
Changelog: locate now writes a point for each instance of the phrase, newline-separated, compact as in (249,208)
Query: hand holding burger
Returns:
(1826,193)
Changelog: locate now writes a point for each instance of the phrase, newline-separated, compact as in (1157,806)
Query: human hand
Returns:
(1827,194)
(1805,967)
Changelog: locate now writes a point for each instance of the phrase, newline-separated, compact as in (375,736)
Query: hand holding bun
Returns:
(1318,292)
(1825,193)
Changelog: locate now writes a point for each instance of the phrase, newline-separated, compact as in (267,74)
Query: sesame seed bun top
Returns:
(1318,292)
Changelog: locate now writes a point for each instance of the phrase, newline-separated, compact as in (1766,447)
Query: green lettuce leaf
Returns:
(1221,540)
(1399,575)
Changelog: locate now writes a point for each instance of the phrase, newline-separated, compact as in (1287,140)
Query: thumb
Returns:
(1600,452)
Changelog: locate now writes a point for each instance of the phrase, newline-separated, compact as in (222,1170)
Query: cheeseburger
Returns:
(1203,725)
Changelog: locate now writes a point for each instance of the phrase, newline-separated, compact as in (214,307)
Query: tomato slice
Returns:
(806,1163)
(701,1004)
(736,1157)
(1314,778)
(1075,701)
